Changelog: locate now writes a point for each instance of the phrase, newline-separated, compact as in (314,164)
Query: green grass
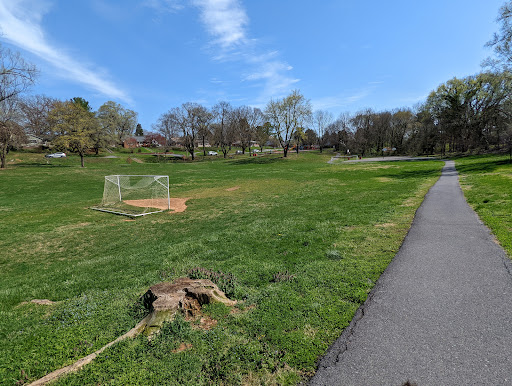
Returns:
(487,185)
(301,241)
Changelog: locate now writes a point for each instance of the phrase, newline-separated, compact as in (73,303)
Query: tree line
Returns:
(469,114)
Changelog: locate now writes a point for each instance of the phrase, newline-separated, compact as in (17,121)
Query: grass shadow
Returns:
(257,161)
(482,167)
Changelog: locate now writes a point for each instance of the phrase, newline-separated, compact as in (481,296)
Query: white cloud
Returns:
(20,23)
(225,20)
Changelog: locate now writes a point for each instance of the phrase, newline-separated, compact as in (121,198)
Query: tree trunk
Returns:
(82,160)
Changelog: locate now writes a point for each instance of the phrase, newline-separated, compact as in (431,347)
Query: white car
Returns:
(212,153)
(56,155)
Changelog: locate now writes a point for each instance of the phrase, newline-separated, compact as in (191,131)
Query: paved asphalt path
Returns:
(441,314)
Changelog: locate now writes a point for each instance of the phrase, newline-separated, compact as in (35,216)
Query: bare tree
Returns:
(12,134)
(287,115)
(166,126)
(321,121)
(185,122)
(16,76)
(501,43)
(242,130)
(36,110)
(340,133)
(204,120)
(222,128)
(255,119)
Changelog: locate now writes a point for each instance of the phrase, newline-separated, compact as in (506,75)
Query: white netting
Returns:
(135,195)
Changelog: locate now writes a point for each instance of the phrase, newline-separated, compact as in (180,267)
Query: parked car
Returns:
(239,152)
(255,150)
(56,155)
(212,153)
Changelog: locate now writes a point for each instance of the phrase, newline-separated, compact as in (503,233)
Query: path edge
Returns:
(340,345)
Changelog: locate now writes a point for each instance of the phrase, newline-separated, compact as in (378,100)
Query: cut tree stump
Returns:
(164,300)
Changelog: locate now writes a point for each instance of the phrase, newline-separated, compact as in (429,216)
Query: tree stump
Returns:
(186,295)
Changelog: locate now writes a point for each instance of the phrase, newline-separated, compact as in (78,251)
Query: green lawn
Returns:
(487,185)
(303,241)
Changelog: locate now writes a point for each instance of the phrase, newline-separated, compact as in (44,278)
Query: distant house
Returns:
(35,141)
(148,140)
(130,143)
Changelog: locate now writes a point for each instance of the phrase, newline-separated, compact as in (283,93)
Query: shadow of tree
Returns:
(257,160)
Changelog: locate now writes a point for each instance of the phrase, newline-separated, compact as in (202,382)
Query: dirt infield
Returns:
(177,204)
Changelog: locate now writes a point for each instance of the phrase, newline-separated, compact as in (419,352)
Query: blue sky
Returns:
(343,55)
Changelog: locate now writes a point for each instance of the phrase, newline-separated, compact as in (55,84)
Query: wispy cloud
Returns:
(20,24)
(341,101)
(163,6)
(225,20)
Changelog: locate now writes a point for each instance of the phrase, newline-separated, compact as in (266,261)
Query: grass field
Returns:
(487,185)
(299,244)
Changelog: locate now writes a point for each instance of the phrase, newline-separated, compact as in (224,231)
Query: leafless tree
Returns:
(204,121)
(16,76)
(321,121)
(36,110)
(12,134)
(186,122)
(242,130)
(223,129)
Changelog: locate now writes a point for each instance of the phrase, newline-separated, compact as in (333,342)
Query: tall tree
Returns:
(470,112)
(12,134)
(321,121)
(204,121)
(16,76)
(185,122)
(287,115)
(74,127)
(501,43)
(138,130)
(117,121)
(222,128)
(242,130)
(36,110)
(263,132)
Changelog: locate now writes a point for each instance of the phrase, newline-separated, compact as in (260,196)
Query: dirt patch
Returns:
(385,225)
(44,302)
(233,188)
(384,179)
(177,204)
(183,347)
(206,323)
